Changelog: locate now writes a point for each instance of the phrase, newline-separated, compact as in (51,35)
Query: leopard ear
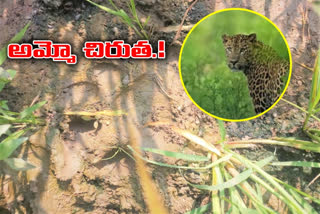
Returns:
(224,38)
(252,37)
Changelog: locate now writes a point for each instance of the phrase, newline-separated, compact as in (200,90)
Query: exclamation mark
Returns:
(161,49)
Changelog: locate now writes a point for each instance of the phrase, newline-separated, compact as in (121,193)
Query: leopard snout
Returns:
(232,63)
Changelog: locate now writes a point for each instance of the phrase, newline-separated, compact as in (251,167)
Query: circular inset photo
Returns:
(235,64)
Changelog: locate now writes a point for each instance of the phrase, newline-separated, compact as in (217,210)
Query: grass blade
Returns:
(257,202)
(133,8)
(297,163)
(298,191)
(200,210)
(197,140)
(290,142)
(15,39)
(288,199)
(15,135)
(301,109)
(303,202)
(28,111)
(265,161)
(113,5)
(246,188)
(177,155)
(108,10)
(215,163)
(235,198)
(158,163)
(146,22)
(230,183)
(9,146)
(315,92)
(215,196)
(225,158)
(222,130)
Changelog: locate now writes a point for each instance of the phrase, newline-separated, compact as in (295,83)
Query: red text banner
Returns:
(117,49)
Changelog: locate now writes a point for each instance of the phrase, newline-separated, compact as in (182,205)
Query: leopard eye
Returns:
(229,49)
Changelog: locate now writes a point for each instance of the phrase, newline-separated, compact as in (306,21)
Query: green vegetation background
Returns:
(204,69)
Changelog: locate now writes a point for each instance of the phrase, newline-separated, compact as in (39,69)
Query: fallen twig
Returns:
(177,36)
(304,66)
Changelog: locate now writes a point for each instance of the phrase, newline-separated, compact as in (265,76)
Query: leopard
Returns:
(261,64)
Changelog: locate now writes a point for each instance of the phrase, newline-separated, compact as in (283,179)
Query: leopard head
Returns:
(239,50)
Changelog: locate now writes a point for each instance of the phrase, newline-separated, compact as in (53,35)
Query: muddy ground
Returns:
(71,175)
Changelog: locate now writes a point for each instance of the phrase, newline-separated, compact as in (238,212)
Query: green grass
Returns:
(204,70)
(237,183)
(14,125)
(233,175)
(131,20)
(313,107)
